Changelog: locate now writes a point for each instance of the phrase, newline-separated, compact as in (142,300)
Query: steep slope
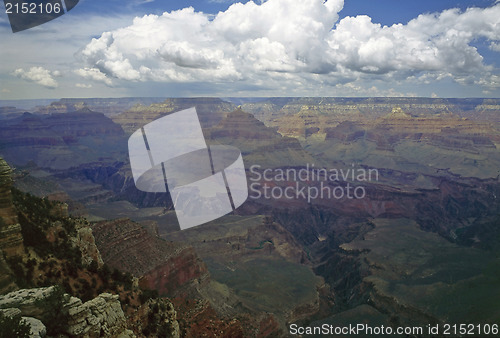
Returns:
(262,262)
(442,282)
(51,248)
(60,141)
(167,267)
(175,269)
(11,239)
(260,145)
(427,144)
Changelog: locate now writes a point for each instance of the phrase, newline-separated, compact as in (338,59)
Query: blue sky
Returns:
(119,48)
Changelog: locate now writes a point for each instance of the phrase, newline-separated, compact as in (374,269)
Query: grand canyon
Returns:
(419,246)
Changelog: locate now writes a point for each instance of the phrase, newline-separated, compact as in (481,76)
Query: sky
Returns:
(224,48)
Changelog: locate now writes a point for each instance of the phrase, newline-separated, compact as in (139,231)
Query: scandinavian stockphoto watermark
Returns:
(310,183)
(171,154)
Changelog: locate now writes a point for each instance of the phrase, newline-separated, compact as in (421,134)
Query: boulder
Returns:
(99,317)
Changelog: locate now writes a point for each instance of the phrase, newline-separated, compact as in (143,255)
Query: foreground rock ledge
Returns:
(101,316)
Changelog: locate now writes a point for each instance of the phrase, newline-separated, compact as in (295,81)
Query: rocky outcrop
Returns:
(170,268)
(346,132)
(259,144)
(85,241)
(99,317)
(7,211)
(309,121)
(37,328)
(11,239)
(156,317)
(239,124)
(26,300)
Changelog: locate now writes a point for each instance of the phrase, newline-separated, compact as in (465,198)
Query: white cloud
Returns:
(93,74)
(38,75)
(83,85)
(371,91)
(495,46)
(489,82)
(288,43)
(435,43)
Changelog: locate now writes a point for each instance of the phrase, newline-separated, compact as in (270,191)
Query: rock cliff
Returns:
(349,108)
(85,242)
(62,140)
(11,238)
(107,106)
(99,317)
(259,144)
(210,112)
(157,317)
(170,268)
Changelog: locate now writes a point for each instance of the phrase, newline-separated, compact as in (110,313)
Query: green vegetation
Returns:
(261,245)
(38,210)
(13,327)
(148,294)
(428,274)
(263,283)
(36,216)
(17,266)
(55,315)
(51,236)
(157,324)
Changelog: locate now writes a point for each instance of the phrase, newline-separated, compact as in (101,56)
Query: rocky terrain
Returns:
(210,112)
(350,108)
(101,316)
(175,270)
(108,107)
(259,144)
(11,239)
(163,266)
(419,246)
(279,269)
(109,277)
(55,281)
(61,141)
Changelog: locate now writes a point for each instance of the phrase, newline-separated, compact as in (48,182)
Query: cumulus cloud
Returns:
(83,85)
(38,75)
(437,43)
(288,43)
(94,74)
